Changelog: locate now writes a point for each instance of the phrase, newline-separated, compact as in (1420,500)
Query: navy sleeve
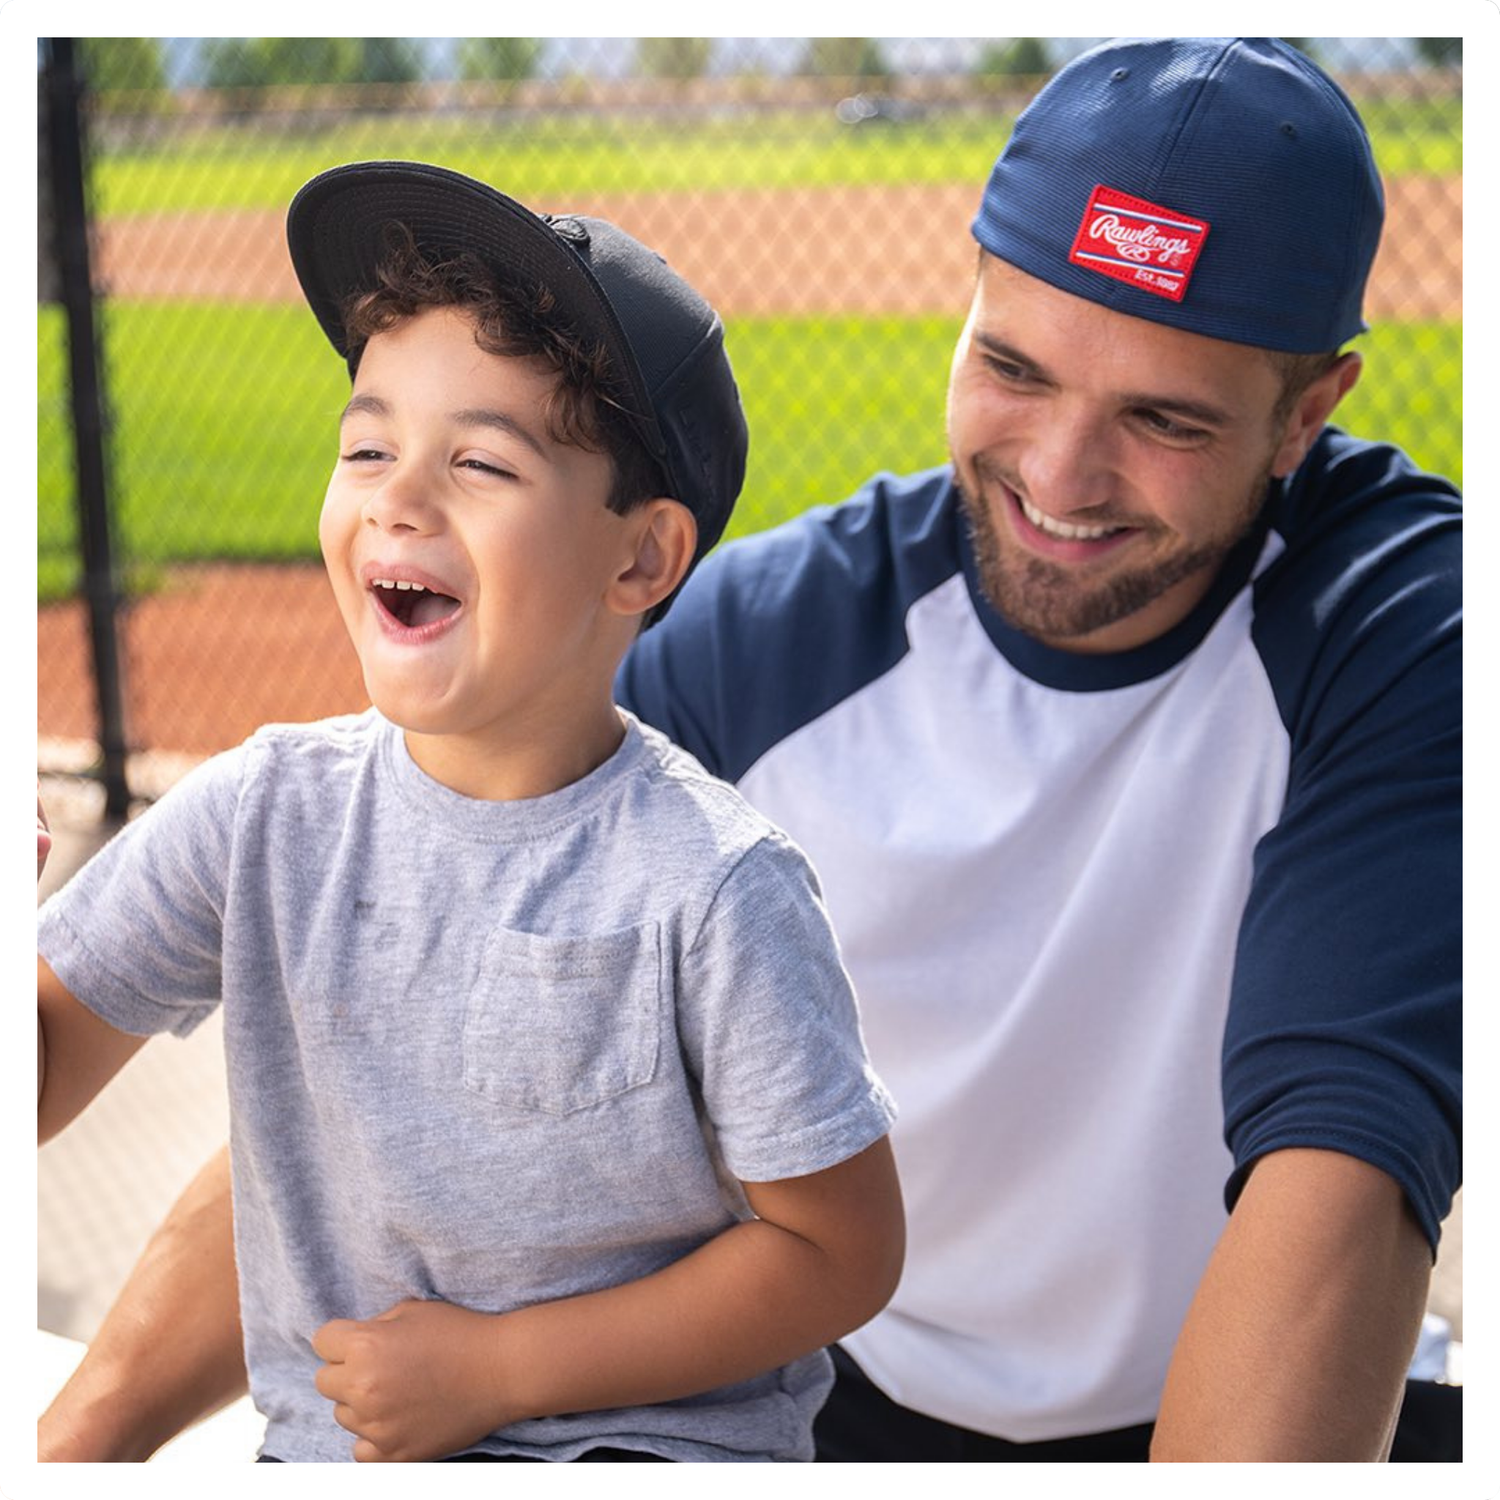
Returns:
(1345,1021)
(774,630)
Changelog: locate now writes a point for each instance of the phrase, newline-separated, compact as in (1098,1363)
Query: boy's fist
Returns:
(414,1383)
(43,835)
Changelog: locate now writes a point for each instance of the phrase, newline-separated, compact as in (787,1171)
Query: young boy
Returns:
(554,1136)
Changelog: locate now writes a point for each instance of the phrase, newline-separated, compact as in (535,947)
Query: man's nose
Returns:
(1068,463)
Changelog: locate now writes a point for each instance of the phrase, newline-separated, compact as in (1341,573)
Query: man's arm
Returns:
(1298,1340)
(822,1257)
(170,1351)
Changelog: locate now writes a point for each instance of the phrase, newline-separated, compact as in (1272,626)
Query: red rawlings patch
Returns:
(1140,243)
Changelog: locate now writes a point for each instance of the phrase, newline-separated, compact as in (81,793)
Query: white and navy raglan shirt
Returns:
(1118,925)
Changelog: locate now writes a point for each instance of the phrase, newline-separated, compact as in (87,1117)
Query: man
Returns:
(1127,748)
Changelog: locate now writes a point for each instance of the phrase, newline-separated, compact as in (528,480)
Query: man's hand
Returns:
(416,1383)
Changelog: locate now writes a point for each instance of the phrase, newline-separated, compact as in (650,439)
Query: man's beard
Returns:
(1050,602)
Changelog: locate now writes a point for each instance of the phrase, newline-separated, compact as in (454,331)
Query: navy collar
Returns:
(1081,672)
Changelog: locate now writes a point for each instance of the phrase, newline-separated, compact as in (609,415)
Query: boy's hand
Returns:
(43,835)
(416,1383)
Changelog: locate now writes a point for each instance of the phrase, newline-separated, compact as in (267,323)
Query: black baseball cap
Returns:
(664,342)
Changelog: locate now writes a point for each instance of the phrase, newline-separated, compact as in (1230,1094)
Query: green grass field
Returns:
(225,424)
(224,421)
(551,158)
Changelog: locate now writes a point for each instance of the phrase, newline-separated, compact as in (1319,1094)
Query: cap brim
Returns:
(336,233)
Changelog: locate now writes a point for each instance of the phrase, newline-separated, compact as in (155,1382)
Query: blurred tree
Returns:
(673,56)
(389,59)
(1441,51)
(229,62)
(1015,57)
(260,61)
(844,57)
(311,59)
(499,57)
(122,62)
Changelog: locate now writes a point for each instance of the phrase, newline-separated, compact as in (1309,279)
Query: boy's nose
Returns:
(401,503)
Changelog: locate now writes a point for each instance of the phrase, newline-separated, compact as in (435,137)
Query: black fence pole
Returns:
(66,163)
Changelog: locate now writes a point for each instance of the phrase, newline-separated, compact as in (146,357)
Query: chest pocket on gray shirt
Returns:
(558,1024)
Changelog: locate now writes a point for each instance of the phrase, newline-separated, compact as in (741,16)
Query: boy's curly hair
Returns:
(514,318)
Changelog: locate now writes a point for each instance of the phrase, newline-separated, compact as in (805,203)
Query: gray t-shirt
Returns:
(495,1053)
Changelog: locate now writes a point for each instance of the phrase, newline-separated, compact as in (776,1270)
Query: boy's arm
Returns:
(169,1351)
(822,1257)
(76,1053)
(85,1052)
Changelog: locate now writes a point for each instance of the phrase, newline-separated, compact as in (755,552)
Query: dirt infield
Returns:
(221,649)
(774,251)
(216,652)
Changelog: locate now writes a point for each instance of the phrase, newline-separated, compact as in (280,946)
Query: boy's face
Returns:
(468,551)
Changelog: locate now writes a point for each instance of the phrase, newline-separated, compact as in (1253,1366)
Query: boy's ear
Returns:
(664,535)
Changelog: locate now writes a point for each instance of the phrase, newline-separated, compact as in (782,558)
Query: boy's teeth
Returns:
(426,605)
(1064,529)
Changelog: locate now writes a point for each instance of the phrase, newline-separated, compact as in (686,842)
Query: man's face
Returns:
(1107,464)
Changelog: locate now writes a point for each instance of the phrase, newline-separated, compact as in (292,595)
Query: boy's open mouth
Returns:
(412,604)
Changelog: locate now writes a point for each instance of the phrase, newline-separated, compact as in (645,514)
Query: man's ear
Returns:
(1312,409)
(663,536)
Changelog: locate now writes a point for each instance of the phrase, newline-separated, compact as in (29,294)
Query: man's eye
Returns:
(1008,370)
(1164,426)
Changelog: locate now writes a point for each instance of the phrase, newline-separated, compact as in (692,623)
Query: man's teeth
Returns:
(1064,529)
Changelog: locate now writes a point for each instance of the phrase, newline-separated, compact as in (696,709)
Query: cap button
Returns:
(568,228)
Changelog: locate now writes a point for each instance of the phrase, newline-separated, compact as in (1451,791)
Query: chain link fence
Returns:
(817,190)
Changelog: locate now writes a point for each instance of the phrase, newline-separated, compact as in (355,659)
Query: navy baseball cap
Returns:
(1223,185)
(664,342)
